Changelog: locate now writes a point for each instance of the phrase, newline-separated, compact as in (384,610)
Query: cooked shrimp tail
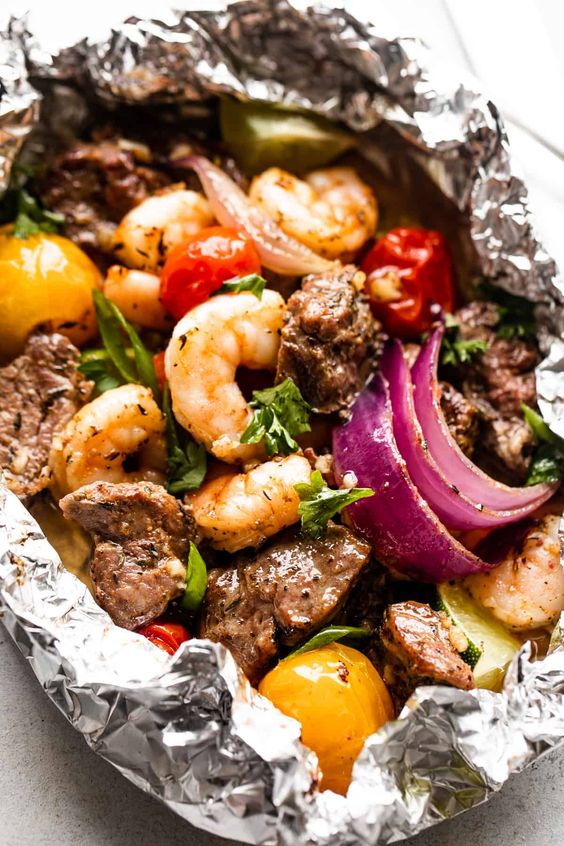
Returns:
(122,426)
(235,511)
(207,347)
(332,211)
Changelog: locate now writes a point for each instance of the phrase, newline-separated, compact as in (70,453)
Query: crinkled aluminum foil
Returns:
(188,729)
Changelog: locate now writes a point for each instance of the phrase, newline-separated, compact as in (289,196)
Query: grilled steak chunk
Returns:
(141,540)
(329,339)
(417,648)
(94,185)
(39,393)
(497,382)
(281,594)
(461,417)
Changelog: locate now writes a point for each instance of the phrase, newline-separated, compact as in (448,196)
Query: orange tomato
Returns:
(339,698)
(44,280)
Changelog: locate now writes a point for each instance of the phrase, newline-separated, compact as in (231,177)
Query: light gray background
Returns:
(53,790)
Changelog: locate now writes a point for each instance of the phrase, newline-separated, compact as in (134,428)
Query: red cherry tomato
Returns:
(199,266)
(409,273)
(158,361)
(167,636)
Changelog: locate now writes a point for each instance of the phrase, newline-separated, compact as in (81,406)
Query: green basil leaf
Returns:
(318,503)
(329,635)
(253,283)
(280,413)
(196,580)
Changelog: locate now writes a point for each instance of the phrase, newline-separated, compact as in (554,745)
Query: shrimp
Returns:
(331,211)
(526,591)
(238,510)
(206,348)
(136,294)
(147,232)
(123,423)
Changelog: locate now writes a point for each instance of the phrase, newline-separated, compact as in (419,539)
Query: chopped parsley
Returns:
(31,218)
(547,464)
(329,635)
(186,460)
(18,206)
(280,413)
(97,365)
(253,283)
(456,352)
(318,503)
(516,319)
(196,581)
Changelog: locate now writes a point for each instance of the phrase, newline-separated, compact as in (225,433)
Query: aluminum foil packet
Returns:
(189,729)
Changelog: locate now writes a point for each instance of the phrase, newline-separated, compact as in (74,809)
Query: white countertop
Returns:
(53,790)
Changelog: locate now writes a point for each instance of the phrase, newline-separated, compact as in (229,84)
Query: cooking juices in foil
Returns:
(189,729)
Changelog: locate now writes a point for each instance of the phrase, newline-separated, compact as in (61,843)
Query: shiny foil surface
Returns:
(189,729)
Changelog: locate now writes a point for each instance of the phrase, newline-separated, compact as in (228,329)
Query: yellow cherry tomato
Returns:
(44,280)
(339,698)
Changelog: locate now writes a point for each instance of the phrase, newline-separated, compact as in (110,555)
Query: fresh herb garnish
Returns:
(186,462)
(329,635)
(548,461)
(113,327)
(547,466)
(98,366)
(253,283)
(280,413)
(516,319)
(456,352)
(31,218)
(318,503)
(196,580)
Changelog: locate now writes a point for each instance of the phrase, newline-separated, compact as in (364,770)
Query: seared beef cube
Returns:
(280,594)
(39,393)
(497,382)
(461,417)
(329,339)
(94,186)
(141,542)
(419,646)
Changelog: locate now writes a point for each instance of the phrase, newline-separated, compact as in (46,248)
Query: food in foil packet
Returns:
(282,402)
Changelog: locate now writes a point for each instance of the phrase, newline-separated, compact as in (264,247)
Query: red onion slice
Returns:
(232,207)
(451,461)
(449,504)
(405,533)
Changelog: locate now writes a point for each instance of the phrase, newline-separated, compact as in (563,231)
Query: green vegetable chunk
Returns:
(196,580)
(31,218)
(329,635)
(490,645)
(187,464)
(253,283)
(548,461)
(280,413)
(319,503)
(262,136)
